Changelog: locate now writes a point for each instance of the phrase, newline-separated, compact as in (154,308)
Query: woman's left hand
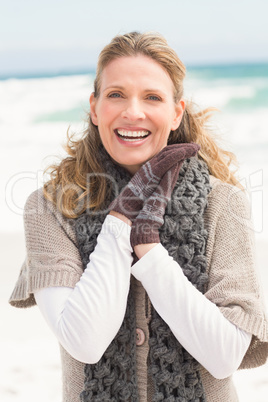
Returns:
(146,180)
(145,228)
(144,233)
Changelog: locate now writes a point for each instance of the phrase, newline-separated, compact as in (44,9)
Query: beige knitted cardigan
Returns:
(53,260)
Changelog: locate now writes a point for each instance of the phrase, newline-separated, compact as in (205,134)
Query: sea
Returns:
(36,110)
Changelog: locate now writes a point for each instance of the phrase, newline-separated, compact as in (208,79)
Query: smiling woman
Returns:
(139,252)
(135,110)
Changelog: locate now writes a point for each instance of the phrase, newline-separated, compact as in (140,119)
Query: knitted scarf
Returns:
(174,371)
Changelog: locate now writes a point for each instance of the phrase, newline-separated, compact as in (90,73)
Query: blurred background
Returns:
(48,55)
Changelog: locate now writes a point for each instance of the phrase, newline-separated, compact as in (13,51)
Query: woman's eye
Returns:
(154,98)
(114,95)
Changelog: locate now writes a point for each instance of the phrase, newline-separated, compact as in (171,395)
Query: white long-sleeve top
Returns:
(86,319)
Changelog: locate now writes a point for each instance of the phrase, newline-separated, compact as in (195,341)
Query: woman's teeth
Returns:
(132,135)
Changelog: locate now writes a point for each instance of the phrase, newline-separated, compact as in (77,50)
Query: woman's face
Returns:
(135,110)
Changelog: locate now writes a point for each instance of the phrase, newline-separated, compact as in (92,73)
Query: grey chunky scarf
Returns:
(174,371)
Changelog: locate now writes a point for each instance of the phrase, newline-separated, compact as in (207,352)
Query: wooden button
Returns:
(140,337)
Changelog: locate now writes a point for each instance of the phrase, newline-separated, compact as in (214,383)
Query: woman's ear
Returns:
(179,110)
(93,114)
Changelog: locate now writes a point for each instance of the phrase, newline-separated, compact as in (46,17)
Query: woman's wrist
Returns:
(121,217)
(142,249)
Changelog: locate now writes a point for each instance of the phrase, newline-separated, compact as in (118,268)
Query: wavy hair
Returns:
(78,182)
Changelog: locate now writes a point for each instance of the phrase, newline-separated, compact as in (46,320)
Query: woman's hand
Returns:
(144,199)
(142,185)
(145,228)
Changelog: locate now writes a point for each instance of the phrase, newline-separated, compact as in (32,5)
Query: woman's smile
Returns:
(134,136)
(135,110)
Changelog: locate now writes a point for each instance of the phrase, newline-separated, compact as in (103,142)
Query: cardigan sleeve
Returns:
(52,257)
(233,281)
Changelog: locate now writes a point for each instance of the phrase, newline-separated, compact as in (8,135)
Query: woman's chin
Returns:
(134,159)
(131,168)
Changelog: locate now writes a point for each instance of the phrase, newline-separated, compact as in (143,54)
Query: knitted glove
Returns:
(145,227)
(142,185)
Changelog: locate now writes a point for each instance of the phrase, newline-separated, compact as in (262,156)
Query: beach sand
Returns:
(30,361)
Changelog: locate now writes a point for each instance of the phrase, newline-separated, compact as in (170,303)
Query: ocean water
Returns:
(36,112)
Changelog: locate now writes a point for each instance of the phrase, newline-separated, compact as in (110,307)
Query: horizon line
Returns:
(57,72)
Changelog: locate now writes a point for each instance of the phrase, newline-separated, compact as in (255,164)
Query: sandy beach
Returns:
(30,361)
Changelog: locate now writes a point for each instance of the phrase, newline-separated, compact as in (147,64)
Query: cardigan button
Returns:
(140,337)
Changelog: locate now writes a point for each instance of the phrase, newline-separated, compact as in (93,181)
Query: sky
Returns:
(51,35)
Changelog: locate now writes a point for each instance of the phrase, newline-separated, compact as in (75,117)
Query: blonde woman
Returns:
(138,252)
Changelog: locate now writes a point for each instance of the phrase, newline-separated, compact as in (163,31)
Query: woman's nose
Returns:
(133,111)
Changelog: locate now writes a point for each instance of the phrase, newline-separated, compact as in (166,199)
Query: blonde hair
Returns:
(77,182)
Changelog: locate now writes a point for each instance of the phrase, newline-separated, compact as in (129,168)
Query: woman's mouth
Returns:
(131,136)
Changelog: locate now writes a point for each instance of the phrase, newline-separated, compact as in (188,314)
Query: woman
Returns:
(138,252)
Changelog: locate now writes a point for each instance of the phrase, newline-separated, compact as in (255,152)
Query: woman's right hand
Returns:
(143,184)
